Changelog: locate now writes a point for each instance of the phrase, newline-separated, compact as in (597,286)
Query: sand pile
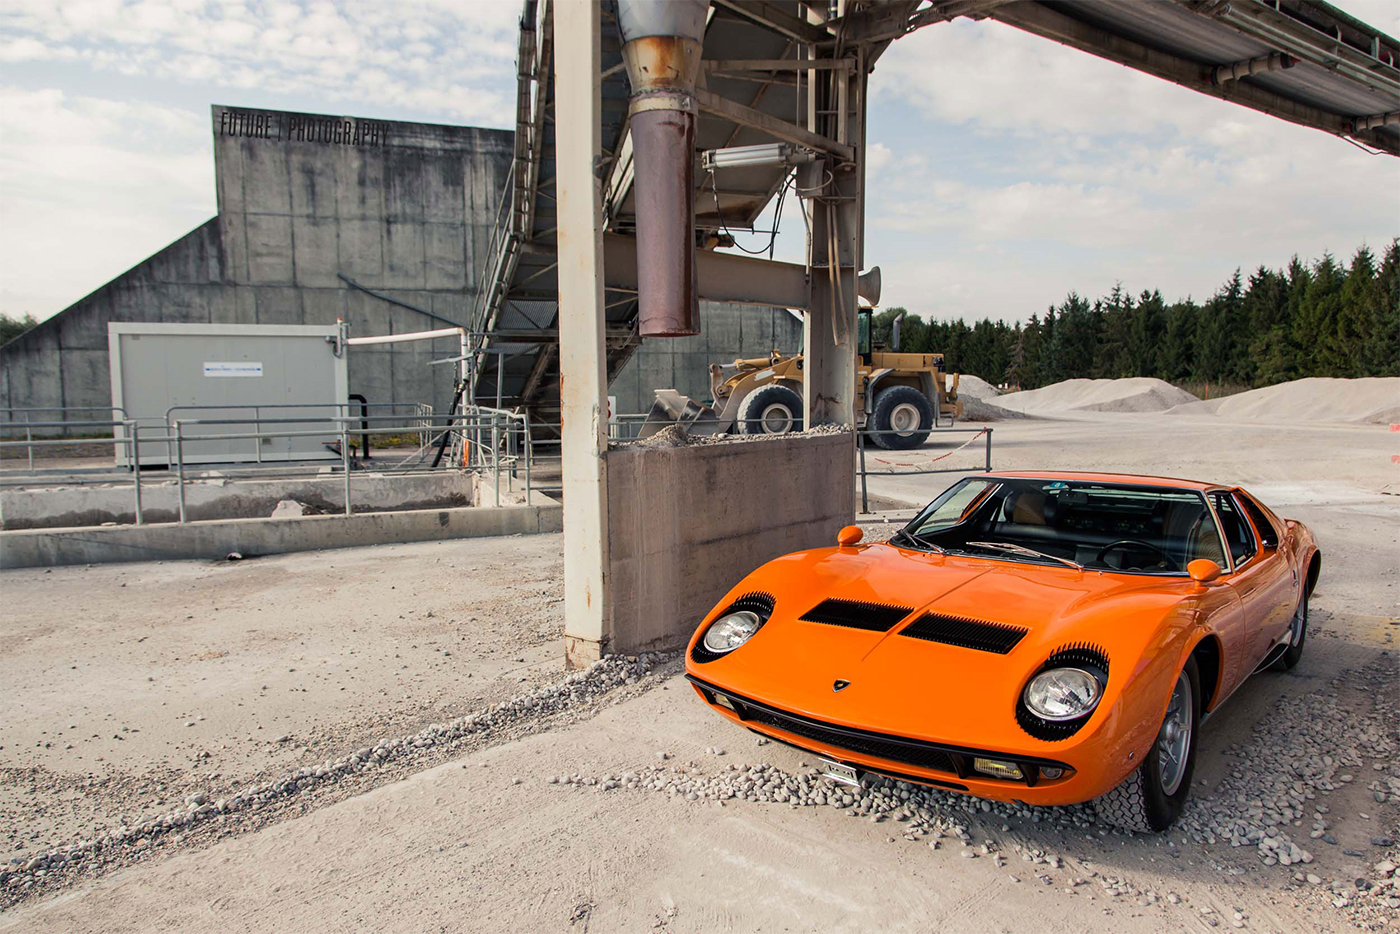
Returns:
(974,387)
(1138,394)
(979,399)
(1372,400)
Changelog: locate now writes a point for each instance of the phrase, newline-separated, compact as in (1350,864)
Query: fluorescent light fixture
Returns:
(766,154)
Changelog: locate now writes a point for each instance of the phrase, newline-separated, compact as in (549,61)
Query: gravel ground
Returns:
(419,797)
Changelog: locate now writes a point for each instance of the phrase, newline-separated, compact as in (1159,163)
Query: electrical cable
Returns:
(777,216)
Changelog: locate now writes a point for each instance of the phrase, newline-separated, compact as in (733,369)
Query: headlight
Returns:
(1062,693)
(731,631)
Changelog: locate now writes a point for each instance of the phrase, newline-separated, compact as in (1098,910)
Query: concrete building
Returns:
(384,224)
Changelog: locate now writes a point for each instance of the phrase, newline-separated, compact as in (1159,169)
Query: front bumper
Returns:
(939,765)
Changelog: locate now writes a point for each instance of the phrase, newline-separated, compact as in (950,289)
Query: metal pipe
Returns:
(135,445)
(1379,120)
(1253,66)
(345,463)
(662,46)
(894,332)
(179,469)
(989,449)
(411,336)
(864,493)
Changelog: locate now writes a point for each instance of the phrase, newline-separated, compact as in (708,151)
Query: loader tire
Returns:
(772,410)
(903,417)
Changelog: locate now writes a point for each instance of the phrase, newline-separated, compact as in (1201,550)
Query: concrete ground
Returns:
(479,839)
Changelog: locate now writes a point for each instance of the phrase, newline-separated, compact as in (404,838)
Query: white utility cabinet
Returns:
(167,372)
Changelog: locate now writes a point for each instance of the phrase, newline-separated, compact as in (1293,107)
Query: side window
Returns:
(1268,535)
(1237,535)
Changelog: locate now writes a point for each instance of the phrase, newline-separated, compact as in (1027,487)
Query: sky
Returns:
(1004,170)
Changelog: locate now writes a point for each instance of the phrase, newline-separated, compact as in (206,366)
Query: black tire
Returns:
(1141,803)
(894,403)
(1294,652)
(772,410)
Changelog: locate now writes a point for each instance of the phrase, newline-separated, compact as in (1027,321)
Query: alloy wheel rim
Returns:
(776,419)
(904,419)
(1174,739)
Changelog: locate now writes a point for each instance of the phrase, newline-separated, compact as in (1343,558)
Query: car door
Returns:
(1285,586)
(1253,576)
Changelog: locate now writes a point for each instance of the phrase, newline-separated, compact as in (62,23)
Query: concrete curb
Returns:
(253,537)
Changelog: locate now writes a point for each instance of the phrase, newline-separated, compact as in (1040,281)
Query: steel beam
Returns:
(721,277)
(771,16)
(583,382)
(773,126)
(1040,20)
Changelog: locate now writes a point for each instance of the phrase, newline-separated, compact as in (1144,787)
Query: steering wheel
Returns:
(1128,544)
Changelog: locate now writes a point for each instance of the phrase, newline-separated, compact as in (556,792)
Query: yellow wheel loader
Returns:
(901,396)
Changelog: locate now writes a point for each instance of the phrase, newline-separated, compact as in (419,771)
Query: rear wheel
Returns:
(1151,798)
(772,410)
(903,416)
(1297,635)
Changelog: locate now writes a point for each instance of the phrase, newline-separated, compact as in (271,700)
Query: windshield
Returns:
(1099,526)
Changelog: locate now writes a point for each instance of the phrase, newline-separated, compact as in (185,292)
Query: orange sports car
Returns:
(1048,638)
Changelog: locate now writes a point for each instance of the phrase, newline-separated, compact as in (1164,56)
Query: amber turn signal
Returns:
(849,535)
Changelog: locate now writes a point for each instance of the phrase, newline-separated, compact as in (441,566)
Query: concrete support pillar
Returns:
(583,382)
(835,108)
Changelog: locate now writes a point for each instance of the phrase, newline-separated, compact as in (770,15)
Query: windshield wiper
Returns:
(918,541)
(1029,552)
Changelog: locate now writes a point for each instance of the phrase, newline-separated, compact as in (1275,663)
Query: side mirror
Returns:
(1203,570)
(849,535)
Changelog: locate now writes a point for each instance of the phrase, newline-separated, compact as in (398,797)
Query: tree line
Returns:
(1308,319)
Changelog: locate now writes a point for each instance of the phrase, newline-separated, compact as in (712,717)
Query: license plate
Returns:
(837,772)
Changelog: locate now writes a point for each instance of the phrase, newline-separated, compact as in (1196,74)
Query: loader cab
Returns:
(863,348)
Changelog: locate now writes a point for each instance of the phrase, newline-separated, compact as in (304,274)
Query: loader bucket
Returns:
(672,408)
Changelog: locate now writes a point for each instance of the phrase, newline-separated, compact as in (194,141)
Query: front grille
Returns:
(910,752)
(857,614)
(967,633)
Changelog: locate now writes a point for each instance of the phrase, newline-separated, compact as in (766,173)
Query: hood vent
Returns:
(857,614)
(967,633)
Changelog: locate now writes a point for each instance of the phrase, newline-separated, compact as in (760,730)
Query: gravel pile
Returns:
(21,877)
(1273,801)
(675,436)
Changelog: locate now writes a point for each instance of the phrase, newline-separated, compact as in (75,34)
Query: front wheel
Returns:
(903,416)
(772,410)
(1151,798)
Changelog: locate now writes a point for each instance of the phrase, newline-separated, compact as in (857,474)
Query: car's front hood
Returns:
(911,686)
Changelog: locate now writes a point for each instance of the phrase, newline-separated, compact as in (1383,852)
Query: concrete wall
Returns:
(257,537)
(405,209)
(727,332)
(686,524)
(66,507)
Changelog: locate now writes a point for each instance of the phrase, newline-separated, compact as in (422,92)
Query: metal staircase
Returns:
(515,338)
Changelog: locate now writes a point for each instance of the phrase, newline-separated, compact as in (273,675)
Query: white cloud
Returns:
(85,194)
(1087,173)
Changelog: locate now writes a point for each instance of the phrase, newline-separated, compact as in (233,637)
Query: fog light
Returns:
(997,768)
(1051,772)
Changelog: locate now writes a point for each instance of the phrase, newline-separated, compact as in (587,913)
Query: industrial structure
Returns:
(647,133)
(772,93)
(387,225)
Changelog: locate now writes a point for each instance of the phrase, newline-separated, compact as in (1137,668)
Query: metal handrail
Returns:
(508,453)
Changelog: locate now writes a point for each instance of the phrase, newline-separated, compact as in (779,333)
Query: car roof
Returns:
(1123,478)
